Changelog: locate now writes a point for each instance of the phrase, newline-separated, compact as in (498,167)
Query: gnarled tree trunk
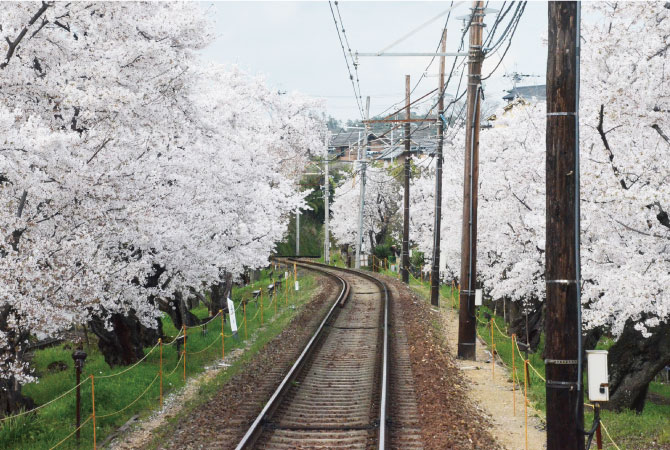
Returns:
(177,309)
(633,361)
(125,343)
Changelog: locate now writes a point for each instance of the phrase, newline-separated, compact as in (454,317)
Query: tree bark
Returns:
(517,322)
(176,308)
(12,350)
(634,361)
(125,343)
(219,294)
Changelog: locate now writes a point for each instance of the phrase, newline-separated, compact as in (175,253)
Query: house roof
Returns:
(346,138)
(392,152)
(538,92)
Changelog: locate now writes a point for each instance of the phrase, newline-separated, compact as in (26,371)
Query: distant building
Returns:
(383,146)
(346,144)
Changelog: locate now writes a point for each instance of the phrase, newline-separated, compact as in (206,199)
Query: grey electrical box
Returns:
(597,375)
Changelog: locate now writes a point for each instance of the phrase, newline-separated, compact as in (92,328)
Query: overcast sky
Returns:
(294,45)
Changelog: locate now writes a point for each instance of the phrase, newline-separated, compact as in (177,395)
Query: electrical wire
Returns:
(509,41)
(346,60)
(353,60)
(423,75)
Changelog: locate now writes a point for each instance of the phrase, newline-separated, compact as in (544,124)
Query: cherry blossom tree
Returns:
(130,172)
(383,196)
(625,226)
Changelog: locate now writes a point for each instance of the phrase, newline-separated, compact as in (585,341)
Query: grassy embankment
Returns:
(50,425)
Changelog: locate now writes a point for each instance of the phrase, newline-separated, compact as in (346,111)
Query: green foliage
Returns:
(417,259)
(384,251)
(311,237)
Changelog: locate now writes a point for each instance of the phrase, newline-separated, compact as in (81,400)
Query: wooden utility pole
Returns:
(435,269)
(408,160)
(565,413)
(467,324)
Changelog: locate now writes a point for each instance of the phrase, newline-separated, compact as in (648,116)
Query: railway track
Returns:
(335,394)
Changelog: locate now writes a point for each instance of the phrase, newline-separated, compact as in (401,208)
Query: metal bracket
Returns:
(562,384)
(561,281)
(561,361)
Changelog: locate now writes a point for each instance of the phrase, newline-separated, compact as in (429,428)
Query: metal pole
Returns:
(435,270)
(297,232)
(361,207)
(326,193)
(408,162)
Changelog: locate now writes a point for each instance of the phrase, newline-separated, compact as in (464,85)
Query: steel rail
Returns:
(385,358)
(254,431)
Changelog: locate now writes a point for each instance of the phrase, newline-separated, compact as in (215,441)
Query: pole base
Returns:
(467,351)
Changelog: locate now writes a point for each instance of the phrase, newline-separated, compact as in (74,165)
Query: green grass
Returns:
(51,424)
(629,430)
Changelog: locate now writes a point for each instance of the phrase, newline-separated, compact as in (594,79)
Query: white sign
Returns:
(286,275)
(478,297)
(297,286)
(231,313)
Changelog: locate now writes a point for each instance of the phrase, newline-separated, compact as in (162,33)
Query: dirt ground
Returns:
(450,419)
(494,394)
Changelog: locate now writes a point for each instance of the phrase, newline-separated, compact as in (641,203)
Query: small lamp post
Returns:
(79,357)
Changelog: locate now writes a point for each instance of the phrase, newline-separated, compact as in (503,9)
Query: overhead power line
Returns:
(357,95)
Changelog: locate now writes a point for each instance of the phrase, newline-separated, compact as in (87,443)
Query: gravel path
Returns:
(494,394)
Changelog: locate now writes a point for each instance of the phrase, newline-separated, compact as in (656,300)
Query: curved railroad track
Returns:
(335,394)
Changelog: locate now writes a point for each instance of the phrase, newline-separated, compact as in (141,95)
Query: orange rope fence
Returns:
(180,338)
(492,324)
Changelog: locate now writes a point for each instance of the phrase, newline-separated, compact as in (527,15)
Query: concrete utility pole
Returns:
(408,160)
(466,318)
(361,209)
(297,232)
(565,408)
(326,199)
(435,269)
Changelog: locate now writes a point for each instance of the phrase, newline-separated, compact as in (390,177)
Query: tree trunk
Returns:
(125,343)
(219,294)
(633,363)
(12,351)
(346,251)
(177,309)
(517,322)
